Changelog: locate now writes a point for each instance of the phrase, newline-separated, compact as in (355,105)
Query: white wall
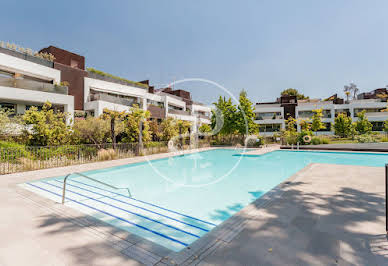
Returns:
(14,64)
(32,97)
(99,106)
(112,88)
(200,108)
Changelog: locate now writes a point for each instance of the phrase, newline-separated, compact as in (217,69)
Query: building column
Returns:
(20,108)
(144,103)
(166,106)
(332,119)
(69,108)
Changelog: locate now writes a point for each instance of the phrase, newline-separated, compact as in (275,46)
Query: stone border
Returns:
(138,248)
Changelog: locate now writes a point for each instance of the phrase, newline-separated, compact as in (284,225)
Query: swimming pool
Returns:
(177,200)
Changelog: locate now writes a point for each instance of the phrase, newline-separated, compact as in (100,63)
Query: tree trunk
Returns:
(112,132)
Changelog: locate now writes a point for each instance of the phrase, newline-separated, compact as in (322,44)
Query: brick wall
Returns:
(65,57)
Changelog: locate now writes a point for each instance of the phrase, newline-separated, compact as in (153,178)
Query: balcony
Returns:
(203,116)
(33,85)
(28,57)
(111,99)
(275,117)
(114,79)
(178,112)
(156,111)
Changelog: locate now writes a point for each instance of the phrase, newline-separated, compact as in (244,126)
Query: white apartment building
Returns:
(100,94)
(271,116)
(27,81)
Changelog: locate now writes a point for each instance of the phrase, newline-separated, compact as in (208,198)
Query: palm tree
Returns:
(353,87)
(347,92)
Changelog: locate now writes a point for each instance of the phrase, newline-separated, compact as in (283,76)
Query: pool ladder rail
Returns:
(87,177)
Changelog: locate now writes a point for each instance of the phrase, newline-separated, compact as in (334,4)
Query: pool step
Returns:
(156,223)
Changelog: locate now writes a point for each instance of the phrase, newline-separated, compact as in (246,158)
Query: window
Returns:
(268,115)
(172,107)
(269,128)
(368,110)
(8,106)
(377,126)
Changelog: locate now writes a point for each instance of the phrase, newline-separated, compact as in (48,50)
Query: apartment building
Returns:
(27,80)
(271,116)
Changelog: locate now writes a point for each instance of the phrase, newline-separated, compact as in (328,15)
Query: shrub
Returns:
(301,136)
(342,125)
(255,142)
(10,151)
(365,138)
(104,155)
(319,140)
(315,141)
(362,125)
(384,139)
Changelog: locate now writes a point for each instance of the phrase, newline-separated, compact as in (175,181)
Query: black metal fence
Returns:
(25,158)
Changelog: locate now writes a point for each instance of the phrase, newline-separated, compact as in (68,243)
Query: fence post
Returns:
(386,198)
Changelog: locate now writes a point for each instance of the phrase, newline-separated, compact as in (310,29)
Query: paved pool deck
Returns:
(323,215)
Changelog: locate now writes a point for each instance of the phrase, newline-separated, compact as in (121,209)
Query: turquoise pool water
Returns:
(179,199)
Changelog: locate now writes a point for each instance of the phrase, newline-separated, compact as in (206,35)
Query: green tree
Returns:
(9,124)
(293,92)
(343,125)
(132,122)
(183,126)
(290,134)
(316,123)
(92,130)
(228,112)
(305,125)
(115,119)
(386,126)
(169,129)
(362,125)
(155,130)
(205,128)
(47,126)
(245,116)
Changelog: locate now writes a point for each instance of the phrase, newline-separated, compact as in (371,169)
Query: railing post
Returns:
(64,188)
(386,198)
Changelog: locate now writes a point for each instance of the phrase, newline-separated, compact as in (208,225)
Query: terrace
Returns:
(32,85)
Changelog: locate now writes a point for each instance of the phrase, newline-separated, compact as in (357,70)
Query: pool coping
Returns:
(141,249)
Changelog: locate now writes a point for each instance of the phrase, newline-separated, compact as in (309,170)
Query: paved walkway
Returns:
(262,150)
(327,215)
(330,215)
(366,147)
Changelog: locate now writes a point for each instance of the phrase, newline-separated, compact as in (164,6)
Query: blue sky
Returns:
(261,46)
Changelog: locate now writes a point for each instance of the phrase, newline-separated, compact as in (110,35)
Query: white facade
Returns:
(303,111)
(174,106)
(269,114)
(27,83)
(24,83)
(13,64)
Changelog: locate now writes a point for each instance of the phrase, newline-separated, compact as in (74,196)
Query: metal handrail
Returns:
(95,180)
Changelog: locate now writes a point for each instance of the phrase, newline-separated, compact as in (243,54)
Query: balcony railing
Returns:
(112,99)
(27,57)
(32,85)
(269,117)
(203,116)
(156,111)
(178,112)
